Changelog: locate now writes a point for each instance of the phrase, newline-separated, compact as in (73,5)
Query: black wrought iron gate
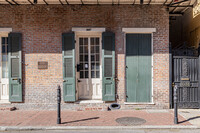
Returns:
(185,75)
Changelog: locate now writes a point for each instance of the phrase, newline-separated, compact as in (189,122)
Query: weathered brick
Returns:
(42,27)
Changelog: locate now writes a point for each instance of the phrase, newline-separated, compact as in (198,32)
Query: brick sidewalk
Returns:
(84,118)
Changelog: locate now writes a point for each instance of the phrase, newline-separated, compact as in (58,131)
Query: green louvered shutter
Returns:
(69,82)
(14,62)
(108,63)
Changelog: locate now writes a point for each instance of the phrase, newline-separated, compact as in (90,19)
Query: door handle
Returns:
(18,79)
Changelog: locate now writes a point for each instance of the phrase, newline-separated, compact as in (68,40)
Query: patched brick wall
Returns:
(42,27)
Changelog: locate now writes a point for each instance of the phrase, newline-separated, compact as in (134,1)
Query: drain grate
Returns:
(130,121)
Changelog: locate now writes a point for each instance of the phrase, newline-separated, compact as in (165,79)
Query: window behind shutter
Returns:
(69,82)
(15,74)
(108,61)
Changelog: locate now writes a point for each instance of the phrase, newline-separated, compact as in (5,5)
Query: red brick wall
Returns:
(42,26)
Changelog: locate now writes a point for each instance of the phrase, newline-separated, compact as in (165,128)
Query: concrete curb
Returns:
(20,128)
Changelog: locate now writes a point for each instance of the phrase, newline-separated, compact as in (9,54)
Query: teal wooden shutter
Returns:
(69,82)
(14,62)
(108,63)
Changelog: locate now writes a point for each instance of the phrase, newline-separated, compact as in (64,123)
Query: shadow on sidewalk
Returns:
(192,118)
(81,120)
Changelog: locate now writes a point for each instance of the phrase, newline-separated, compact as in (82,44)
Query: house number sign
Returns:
(42,65)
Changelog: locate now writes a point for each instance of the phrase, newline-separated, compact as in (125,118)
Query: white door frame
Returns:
(3,33)
(88,35)
(141,31)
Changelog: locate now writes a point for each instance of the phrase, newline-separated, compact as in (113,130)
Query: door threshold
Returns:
(4,102)
(89,101)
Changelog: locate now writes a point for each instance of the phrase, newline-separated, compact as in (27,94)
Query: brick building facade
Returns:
(41,27)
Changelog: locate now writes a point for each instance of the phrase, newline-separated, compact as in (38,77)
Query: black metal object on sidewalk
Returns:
(58,100)
(175,105)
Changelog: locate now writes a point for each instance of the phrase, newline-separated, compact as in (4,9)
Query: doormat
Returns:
(130,121)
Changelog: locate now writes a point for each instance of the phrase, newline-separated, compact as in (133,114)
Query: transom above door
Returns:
(88,53)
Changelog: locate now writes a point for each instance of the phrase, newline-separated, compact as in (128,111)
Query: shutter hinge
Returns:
(117,96)
(76,91)
(74,41)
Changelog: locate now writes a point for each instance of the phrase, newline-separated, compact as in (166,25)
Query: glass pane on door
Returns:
(83,56)
(4,57)
(95,57)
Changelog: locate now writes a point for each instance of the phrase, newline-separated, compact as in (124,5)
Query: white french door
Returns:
(89,74)
(4,90)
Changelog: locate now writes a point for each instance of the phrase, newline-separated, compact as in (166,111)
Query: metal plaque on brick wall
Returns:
(42,65)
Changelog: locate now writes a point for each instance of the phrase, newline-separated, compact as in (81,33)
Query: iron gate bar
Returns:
(61,2)
(149,2)
(186,7)
(133,2)
(82,2)
(199,73)
(15,2)
(185,57)
(171,2)
(182,6)
(67,2)
(175,8)
(170,76)
(165,2)
(9,2)
(30,2)
(178,2)
(45,2)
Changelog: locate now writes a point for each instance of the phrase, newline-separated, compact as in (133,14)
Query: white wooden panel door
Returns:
(4,69)
(89,76)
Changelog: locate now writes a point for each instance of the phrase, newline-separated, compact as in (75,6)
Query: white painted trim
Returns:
(5,30)
(138,30)
(3,33)
(88,29)
(152,65)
